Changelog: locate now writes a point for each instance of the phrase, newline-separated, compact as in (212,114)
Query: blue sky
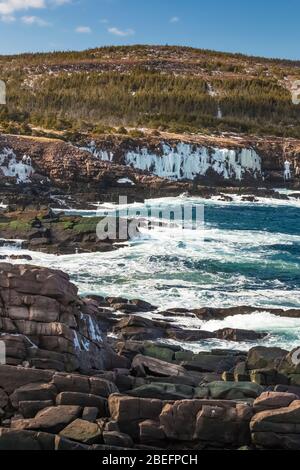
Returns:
(268,28)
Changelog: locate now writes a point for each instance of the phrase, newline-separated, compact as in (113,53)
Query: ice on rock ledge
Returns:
(101,154)
(10,166)
(187,162)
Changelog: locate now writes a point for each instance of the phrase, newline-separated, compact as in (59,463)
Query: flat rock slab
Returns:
(54,419)
(83,400)
(82,431)
(12,378)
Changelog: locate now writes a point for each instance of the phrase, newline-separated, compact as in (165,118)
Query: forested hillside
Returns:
(164,88)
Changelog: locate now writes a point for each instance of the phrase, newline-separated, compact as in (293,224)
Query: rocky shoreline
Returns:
(48,232)
(72,175)
(95,374)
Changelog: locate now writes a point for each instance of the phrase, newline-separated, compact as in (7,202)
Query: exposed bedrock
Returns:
(209,159)
(46,325)
(140,168)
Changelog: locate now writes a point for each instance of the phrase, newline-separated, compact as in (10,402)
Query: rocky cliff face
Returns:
(185,161)
(45,324)
(148,167)
(209,159)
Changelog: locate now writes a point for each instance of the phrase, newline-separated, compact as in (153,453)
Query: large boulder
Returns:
(261,357)
(143,366)
(272,400)
(290,365)
(229,390)
(128,412)
(163,391)
(233,334)
(51,420)
(214,423)
(278,428)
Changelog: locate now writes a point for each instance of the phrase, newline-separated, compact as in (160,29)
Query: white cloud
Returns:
(83,30)
(174,19)
(8,7)
(120,32)
(104,21)
(34,20)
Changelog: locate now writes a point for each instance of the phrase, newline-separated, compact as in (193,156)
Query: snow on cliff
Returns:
(186,161)
(9,165)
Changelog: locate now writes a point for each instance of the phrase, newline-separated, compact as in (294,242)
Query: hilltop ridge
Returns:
(172,88)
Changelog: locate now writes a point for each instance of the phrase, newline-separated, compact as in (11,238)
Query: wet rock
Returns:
(140,329)
(232,334)
(188,335)
(20,257)
(209,313)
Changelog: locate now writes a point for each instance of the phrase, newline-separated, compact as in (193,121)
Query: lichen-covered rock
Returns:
(82,431)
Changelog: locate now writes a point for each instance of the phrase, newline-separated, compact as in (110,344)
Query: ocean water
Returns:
(244,254)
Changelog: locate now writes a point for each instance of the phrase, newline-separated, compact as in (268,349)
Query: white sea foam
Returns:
(213,267)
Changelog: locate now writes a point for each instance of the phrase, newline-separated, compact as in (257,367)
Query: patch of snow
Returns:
(126,181)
